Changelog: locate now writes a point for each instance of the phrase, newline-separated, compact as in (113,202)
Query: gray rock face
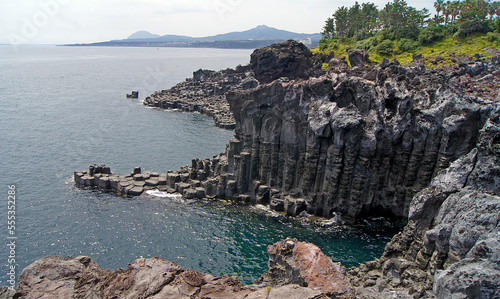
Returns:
(451,242)
(349,144)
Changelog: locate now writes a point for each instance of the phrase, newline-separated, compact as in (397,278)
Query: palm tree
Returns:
(454,10)
(497,8)
(446,11)
(438,5)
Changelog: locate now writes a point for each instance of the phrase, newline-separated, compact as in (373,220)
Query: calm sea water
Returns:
(64,108)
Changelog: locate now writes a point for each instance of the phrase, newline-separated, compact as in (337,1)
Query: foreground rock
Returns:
(294,262)
(81,277)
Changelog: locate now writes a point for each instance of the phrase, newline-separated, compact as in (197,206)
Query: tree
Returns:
(329,29)
(354,17)
(454,10)
(404,20)
(446,11)
(438,5)
(341,16)
(369,19)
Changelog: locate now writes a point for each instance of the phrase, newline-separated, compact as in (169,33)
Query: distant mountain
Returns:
(257,37)
(142,35)
(261,32)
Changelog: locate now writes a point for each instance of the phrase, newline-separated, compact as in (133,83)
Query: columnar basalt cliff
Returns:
(360,141)
(409,142)
(357,144)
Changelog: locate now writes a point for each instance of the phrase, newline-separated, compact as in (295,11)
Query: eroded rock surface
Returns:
(288,59)
(294,262)
(450,246)
(205,93)
(81,277)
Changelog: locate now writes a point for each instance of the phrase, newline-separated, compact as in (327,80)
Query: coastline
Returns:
(459,116)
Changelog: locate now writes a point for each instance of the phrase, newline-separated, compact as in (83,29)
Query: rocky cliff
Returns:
(409,142)
(451,244)
(81,277)
(358,141)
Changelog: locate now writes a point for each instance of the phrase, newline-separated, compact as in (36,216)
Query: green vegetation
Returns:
(398,30)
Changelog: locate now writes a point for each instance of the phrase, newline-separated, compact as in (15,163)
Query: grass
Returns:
(447,48)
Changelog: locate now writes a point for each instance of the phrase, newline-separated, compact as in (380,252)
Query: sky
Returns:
(85,21)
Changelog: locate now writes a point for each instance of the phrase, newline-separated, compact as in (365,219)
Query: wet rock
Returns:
(294,206)
(135,191)
(277,204)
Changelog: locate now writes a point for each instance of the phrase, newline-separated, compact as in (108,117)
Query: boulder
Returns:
(358,57)
(304,264)
(338,65)
(288,59)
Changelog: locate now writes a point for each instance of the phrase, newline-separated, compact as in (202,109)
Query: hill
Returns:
(142,34)
(257,37)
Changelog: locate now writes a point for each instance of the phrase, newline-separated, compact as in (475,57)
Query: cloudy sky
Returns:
(82,21)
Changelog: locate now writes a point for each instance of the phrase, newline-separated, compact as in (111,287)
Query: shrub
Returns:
(430,34)
(493,37)
(387,33)
(472,26)
(366,44)
(385,48)
(410,32)
(407,45)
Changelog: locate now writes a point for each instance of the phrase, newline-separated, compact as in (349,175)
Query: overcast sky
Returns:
(83,21)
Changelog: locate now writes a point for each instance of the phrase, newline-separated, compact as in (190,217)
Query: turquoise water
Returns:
(62,109)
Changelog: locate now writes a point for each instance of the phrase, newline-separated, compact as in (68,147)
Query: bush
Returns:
(410,32)
(430,34)
(387,33)
(472,26)
(367,44)
(385,48)
(497,25)
(493,37)
(407,45)
(328,44)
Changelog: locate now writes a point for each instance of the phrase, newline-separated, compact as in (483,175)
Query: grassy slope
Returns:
(469,46)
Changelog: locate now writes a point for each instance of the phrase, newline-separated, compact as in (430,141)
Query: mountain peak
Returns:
(142,34)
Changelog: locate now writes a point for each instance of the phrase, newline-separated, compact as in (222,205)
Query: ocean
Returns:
(64,108)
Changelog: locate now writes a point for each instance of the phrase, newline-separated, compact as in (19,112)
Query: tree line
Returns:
(397,20)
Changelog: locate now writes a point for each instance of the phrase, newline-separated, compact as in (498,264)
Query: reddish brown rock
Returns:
(81,277)
(294,262)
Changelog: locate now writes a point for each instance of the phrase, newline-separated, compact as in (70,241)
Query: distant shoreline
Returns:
(230,44)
